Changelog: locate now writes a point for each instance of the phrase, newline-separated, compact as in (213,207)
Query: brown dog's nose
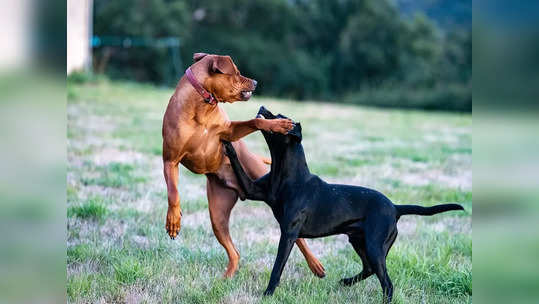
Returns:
(254,83)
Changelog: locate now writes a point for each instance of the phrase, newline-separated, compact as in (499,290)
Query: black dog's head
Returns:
(276,140)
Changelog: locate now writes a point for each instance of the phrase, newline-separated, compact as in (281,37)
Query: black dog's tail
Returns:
(419,210)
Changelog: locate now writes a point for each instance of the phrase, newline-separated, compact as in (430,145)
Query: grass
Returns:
(128,270)
(118,251)
(92,208)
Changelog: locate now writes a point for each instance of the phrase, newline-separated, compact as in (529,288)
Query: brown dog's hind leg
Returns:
(221,200)
(314,264)
(254,165)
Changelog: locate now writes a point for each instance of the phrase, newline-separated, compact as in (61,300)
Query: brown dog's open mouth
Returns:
(245,95)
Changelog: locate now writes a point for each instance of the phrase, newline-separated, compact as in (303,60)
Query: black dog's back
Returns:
(370,200)
(337,204)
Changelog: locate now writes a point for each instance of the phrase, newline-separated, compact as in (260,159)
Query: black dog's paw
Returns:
(229,149)
(268,292)
(347,281)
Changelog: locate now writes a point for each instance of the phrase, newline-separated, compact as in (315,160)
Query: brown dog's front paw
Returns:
(281,125)
(173,225)
(317,268)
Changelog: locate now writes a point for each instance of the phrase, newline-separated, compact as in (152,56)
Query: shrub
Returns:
(453,97)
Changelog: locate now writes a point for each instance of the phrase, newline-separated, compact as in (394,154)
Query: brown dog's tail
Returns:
(420,210)
(266,160)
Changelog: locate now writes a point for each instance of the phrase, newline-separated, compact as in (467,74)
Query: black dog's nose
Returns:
(255,82)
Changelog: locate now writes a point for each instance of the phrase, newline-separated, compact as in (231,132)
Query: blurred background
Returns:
(402,53)
(392,53)
(506,151)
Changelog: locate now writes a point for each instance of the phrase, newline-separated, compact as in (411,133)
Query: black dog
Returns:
(307,207)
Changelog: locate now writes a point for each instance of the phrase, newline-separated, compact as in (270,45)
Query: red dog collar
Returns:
(207,96)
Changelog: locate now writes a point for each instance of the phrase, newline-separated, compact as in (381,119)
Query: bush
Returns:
(80,77)
(452,97)
(315,49)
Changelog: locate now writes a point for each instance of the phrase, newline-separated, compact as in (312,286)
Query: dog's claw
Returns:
(173,222)
(317,268)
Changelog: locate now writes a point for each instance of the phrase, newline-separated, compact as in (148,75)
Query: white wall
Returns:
(79,31)
(15,34)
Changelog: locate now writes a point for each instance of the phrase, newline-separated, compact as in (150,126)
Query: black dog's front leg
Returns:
(289,233)
(253,190)
(285,246)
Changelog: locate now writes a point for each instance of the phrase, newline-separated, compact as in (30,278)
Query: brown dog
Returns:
(193,127)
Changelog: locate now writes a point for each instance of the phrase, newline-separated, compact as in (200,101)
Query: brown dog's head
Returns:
(224,80)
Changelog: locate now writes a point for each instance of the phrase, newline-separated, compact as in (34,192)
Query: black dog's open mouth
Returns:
(245,95)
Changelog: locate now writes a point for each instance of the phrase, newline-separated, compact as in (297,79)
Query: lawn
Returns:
(118,250)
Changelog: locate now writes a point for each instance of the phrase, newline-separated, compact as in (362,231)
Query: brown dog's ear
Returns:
(198,56)
(224,65)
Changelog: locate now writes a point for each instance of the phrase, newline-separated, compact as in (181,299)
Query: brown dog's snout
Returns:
(254,83)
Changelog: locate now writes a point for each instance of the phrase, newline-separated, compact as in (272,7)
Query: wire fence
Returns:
(170,43)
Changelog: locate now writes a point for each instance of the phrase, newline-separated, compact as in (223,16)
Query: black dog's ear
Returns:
(281,116)
(296,132)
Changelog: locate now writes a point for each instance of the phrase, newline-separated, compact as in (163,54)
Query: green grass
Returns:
(128,270)
(115,175)
(93,208)
(118,251)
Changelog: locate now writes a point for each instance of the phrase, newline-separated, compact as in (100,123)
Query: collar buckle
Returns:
(206,96)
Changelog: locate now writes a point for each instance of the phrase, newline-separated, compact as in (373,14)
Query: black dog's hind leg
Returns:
(377,245)
(253,190)
(359,247)
(377,260)
(391,240)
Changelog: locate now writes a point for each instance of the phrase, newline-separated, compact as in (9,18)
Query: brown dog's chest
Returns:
(203,150)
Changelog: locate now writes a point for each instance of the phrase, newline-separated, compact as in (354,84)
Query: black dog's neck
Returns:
(288,162)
